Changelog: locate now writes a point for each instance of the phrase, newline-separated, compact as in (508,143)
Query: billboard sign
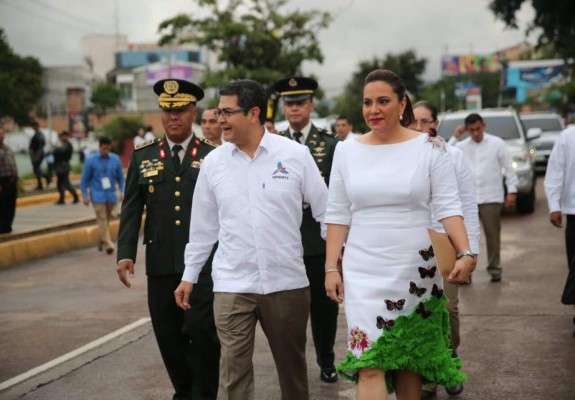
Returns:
(156,73)
(453,65)
(78,125)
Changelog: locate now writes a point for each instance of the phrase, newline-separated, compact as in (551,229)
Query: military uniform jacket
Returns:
(153,182)
(321,144)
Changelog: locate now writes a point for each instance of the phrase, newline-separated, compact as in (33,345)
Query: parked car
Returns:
(505,123)
(551,125)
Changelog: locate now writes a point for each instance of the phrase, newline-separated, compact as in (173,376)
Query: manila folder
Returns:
(445,253)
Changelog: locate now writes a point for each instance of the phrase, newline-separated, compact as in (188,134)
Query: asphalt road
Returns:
(517,338)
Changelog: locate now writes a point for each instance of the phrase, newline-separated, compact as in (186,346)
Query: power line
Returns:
(62,12)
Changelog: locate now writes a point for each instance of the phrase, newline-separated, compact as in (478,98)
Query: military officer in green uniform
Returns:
(161,177)
(297,96)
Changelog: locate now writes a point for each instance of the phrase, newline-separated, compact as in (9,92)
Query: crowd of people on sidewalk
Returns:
(248,225)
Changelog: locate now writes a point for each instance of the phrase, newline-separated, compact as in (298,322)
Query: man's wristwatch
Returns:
(464,253)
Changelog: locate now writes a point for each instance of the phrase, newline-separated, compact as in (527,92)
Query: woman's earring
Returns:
(401,117)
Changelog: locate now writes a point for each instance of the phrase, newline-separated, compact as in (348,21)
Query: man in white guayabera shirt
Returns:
(248,198)
(560,193)
(488,156)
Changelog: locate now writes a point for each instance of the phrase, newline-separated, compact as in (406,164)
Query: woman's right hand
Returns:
(334,286)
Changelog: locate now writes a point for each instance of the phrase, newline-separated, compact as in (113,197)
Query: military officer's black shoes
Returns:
(328,374)
(496,277)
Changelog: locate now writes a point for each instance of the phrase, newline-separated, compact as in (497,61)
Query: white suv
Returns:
(505,123)
(551,124)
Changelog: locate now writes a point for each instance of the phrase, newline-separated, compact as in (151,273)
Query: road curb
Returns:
(18,251)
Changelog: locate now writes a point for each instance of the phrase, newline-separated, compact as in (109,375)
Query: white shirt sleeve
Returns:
(555,175)
(466,184)
(314,190)
(445,200)
(505,161)
(338,204)
(204,226)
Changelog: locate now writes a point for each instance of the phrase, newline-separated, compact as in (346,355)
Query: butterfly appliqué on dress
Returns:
(427,272)
(436,291)
(426,254)
(395,305)
(424,312)
(386,324)
(437,142)
(413,289)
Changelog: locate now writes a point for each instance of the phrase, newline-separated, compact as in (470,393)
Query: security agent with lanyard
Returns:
(297,96)
(162,177)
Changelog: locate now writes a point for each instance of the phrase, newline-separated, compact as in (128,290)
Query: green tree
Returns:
(105,96)
(20,83)
(553,17)
(254,38)
(406,64)
(121,128)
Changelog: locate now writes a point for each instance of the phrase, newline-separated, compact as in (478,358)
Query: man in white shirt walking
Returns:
(249,197)
(488,156)
(560,192)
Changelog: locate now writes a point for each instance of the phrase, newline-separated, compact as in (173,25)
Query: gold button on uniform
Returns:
(177,208)
(177,193)
(151,181)
(178,179)
(178,223)
(149,241)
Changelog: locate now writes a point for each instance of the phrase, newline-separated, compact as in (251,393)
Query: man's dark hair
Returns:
(104,140)
(250,94)
(342,117)
(35,125)
(472,118)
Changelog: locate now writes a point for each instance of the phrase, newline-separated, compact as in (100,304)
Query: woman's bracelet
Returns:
(331,270)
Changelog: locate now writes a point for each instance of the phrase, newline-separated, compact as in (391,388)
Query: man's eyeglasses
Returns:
(226,113)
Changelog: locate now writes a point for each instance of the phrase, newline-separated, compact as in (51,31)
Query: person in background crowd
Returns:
(425,121)
(102,171)
(297,96)
(149,133)
(8,185)
(269,124)
(36,150)
(384,187)
(344,129)
(560,193)
(210,127)
(161,180)
(140,138)
(249,196)
(62,157)
(490,161)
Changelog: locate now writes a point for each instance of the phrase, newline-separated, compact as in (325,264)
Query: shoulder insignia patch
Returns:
(146,144)
(283,133)
(206,141)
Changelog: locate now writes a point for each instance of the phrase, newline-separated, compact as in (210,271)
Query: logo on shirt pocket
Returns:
(281,170)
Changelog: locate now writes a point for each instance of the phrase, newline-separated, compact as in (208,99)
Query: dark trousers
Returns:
(37,167)
(7,203)
(570,237)
(323,311)
(64,184)
(187,340)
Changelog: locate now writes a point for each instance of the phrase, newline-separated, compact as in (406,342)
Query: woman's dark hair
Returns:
(393,80)
(430,107)
(250,94)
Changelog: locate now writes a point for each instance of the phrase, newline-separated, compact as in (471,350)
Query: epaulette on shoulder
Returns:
(283,133)
(146,144)
(326,132)
(209,143)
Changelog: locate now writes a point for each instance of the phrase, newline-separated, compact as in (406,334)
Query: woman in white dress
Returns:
(382,188)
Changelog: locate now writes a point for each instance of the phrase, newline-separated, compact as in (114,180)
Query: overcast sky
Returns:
(51,30)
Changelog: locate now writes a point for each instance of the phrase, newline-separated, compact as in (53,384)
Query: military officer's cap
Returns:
(296,89)
(176,94)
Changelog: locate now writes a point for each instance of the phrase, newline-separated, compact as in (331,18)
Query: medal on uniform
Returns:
(151,188)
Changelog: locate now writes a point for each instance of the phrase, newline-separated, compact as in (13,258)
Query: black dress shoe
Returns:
(328,374)
(454,390)
(109,250)
(59,203)
(426,395)
(496,277)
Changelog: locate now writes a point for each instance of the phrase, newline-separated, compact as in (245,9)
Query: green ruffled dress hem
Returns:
(418,344)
